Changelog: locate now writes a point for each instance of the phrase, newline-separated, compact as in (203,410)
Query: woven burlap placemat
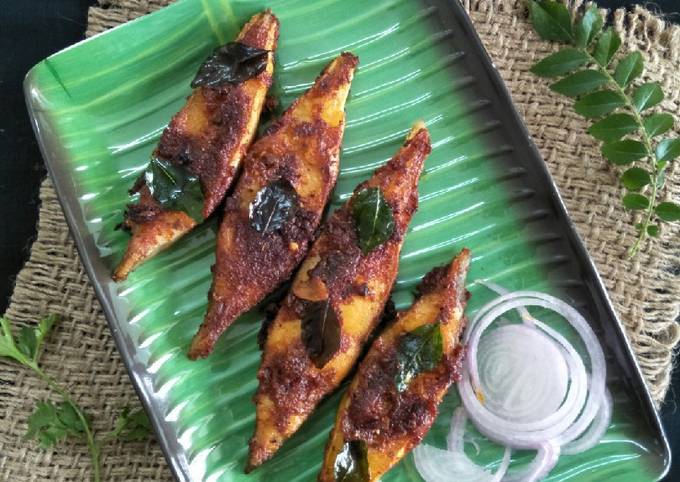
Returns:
(645,291)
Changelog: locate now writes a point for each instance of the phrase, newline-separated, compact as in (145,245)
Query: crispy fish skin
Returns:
(210,136)
(358,286)
(372,411)
(302,148)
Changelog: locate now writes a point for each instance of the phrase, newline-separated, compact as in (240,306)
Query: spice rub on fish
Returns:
(336,298)
(200,151)
(271,219)
(392,401)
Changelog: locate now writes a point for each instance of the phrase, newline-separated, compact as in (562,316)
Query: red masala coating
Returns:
(377,413)
(208,137)
(303,151)
(372,410)
(336,269)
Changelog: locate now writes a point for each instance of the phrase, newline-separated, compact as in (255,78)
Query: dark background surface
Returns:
(30,30)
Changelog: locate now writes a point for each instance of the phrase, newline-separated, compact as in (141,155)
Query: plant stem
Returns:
(91,443)
(648,147)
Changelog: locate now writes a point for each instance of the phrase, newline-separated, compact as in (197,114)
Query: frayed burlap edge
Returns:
(645,291)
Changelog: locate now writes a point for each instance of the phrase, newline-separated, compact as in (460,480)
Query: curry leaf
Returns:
(599,103)
(174,187)
(588,27)
(668,149)
(560,63)
(606,47)
(419,350)
(657,124)
(320,331)
(653,230)
(624,152)
(668,211)
(635,178)
(647,95)
(613,127)
(373,218)
(231,63)
(635,201)
(551,20)
(580,83)
(351,463)
(51,422)
(629,68)
(273,206)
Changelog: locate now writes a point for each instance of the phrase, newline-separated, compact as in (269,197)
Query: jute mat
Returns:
(645,291)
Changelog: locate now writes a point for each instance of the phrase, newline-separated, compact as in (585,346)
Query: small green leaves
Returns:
(419,350)
(26,346)
(579,83)
(635,178)
(131,425)
(606,47)
(588,27)
(624,152)
(174,187)
(647,95)
(551,20)
(635,201)
(653,230)
(373,218)
(657,124)
(51,422)
(560,63)
(30,339)
(629,68)
(599,103)
(351,463)
(668,149)
(668,211)
(613,127)
(7,346)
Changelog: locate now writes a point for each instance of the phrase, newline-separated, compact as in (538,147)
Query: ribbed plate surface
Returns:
(100,107)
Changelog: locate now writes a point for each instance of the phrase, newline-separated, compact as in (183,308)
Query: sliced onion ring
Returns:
(575,420)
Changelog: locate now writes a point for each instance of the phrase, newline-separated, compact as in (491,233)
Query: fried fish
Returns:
(205,140)
(393,399)
(336,299)
(271,219)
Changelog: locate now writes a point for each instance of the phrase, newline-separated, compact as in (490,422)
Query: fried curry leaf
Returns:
(233,62)
(351,463)
(274,204)
(373,218)
(419,350)
(174,187)
(320,331)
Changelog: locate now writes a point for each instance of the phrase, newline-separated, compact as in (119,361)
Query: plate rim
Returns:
(54,156)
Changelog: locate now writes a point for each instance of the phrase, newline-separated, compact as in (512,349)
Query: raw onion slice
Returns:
(592,436)
(524,386)
(438,465)
(579,407)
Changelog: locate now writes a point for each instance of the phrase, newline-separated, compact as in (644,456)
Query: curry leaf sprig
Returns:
(630,135)
(52,422)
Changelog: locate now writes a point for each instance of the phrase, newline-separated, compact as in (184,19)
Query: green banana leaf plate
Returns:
(100,106)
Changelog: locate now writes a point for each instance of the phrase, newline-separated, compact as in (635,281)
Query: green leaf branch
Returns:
(52,422)
(606,94)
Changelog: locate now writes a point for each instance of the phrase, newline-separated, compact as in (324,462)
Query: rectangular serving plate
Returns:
(99,107)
